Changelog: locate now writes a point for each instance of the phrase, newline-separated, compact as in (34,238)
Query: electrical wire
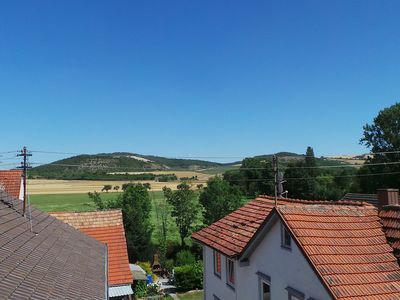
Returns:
(203,157)
(240,168)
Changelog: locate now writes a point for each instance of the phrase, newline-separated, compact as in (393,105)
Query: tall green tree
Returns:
(254,177)
(219,199)
(136,208)
(162,210)
(311,162)
(135,204)
(185,208)
(301,177)
(382,136)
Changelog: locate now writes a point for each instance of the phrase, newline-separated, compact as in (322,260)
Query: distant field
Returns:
(82,202)
(220,170)
(54,186)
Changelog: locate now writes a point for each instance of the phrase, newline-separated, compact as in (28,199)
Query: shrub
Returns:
(152,289)
(185,257)
(140,289)
(169,264)
(189,277)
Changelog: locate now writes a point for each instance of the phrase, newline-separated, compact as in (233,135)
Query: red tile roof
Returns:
(343,242)
(107,227)
(232,233)
(390,216)
(10,181)
(347,247)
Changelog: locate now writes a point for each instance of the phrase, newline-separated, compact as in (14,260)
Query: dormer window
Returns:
(286,239)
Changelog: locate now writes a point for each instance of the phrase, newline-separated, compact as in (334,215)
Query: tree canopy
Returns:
(185,208)
(219,199)
(136,207)
(254,177)
(383,139)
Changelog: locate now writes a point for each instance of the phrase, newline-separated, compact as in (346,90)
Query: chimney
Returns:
(388,197)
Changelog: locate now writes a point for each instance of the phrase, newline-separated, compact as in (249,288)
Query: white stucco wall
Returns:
(21,191)
(286,268)
(213,284)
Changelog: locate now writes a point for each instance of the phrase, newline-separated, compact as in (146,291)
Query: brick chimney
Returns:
(388,197)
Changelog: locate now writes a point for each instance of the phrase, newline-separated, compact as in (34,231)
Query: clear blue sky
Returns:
(195,78)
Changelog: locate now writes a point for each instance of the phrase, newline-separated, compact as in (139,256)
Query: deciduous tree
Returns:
(219,199)
(185,208)
(383,138)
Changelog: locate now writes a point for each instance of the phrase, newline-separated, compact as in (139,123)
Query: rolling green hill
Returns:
(98,166)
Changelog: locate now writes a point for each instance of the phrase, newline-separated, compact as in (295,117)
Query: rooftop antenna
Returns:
(275,167)
(24,167)
(281,192)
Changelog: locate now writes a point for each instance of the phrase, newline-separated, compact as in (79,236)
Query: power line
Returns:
(143,169)
(207,156)
(315,178)
(6,152)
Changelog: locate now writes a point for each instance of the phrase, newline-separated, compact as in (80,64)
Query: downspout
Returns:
(106,273)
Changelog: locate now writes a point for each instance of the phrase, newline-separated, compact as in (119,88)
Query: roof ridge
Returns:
(305,201)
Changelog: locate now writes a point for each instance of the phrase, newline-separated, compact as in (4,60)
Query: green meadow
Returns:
(82,202)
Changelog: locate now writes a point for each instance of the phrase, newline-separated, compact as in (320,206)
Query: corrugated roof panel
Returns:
(118,291)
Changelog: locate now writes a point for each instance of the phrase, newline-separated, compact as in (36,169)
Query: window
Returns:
(265,290)
(264,282)
(286,238)
(294,294)
(217,263)
(230,272)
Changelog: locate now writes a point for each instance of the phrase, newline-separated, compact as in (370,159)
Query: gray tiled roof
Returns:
(53,261)
(369,198)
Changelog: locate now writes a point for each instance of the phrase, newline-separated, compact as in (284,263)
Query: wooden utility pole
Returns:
(24,167)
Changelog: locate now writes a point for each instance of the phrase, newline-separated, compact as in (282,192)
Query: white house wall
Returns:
(21,191)
(213,284)
(286,268)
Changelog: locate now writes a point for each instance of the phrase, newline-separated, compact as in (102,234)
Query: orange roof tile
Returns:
(343,241)
(390,216)
(10,182)
(345,244)
(107,227)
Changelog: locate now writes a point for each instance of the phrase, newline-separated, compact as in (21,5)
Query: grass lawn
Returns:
(194,295)
(66,202)
(82,202)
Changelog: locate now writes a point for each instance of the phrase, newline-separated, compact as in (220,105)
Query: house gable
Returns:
(286,268)
(343,242)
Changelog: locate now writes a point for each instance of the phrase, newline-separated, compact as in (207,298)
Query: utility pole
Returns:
(24,167)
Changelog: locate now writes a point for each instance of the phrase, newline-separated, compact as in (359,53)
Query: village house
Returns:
(107,227)
(303,250)
(44,258)
(11,183)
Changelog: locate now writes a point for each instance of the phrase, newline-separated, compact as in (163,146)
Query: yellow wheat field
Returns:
(53,186)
